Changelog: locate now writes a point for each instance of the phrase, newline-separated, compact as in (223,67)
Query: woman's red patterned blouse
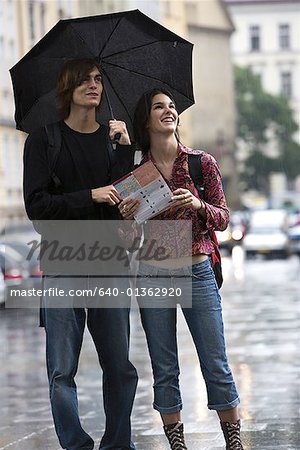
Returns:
(217,213)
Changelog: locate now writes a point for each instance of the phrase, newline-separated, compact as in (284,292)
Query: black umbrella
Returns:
(136,54)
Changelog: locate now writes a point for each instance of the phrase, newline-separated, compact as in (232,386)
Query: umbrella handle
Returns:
(117,137)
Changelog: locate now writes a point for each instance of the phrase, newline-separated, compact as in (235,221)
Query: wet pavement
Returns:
(261,303)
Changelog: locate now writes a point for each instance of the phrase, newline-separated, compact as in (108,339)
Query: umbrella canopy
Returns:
(135,52)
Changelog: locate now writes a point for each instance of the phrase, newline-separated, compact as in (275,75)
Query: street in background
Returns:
(268,234)
(262,322)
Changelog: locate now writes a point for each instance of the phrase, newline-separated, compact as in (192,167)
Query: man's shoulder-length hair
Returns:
(72,74)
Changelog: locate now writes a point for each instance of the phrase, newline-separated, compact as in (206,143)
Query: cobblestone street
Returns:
(261,313)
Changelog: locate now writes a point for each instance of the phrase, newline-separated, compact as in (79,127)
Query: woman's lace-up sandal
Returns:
(174,433)
(232,435)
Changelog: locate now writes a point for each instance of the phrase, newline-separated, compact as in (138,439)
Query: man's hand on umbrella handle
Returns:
(118,127)
(106,194)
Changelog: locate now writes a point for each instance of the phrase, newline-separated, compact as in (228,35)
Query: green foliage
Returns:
(251,126)
(259,113)
(257,168)
(289,160)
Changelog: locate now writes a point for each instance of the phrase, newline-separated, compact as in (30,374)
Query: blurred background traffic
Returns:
(261,234)
(246,63)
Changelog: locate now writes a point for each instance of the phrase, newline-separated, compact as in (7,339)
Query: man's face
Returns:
(88,93)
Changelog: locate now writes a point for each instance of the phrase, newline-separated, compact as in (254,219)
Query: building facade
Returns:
(267,38)
(214,114)
(209,123)
(22,24)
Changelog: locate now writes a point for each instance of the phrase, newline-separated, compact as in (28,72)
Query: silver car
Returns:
(2,288)
(268,234)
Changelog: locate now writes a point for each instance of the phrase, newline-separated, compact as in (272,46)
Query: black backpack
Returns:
(195,170)
(53,132)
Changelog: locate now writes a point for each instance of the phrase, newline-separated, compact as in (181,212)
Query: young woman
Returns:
(155,126)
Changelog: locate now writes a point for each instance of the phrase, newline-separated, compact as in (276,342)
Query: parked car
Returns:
(13,242)
(268,234)
(2,288)
(14,269)
(18,228)
(22,230)
(234,233)
(294,235)
(225,239)
(32,261)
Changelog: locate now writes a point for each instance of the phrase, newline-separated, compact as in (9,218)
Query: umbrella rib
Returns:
(82,41)
(145,76)
(107,41)
(123,51)
(132,48)
(117,95)
(107,46)
(23,119)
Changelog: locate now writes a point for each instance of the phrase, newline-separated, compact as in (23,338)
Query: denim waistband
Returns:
(156,271)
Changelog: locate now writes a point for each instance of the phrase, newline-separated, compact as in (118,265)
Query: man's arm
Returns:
(106,194)
(40,203)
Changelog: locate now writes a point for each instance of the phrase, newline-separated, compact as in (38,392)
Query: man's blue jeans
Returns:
(109,328)
(205,323)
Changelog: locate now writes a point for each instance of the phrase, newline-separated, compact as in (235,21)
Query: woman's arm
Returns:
(217,212)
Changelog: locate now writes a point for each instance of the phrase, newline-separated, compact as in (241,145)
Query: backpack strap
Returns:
(53,132)
(195,170)
(196,173)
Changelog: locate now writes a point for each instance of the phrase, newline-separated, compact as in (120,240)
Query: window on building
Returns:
(9,193)
(258,72)
(1,47)
(61,13)
(254,38)
(18,161)
(167,8)
(284,36)
(286,84)
(10,9)
(42,17)
(12,49)
(5,102)
(7,160)
(31,21)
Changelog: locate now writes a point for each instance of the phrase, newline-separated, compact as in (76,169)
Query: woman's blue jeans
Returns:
(205,323)
(109,328)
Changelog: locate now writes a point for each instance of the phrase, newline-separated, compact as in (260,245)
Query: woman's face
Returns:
(163,115)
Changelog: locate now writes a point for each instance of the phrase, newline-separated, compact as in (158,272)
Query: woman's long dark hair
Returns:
(72,74)
(141,118)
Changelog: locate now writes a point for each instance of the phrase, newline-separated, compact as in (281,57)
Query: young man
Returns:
(86,172)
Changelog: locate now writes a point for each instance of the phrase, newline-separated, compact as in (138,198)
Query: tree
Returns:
(264,119)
